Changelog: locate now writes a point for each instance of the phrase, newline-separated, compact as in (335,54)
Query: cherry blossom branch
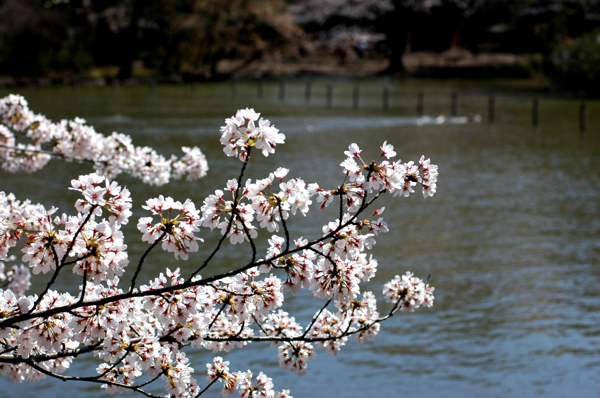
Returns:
(62,261)
(232,293)
(259,325)
(50,283)
(317,315)
(55,155)
(47,357)
(24,132)
(340,192)
(239,333)
(83,286)
(114,365)
(143,329)
(284,224)
(92,380)
(207,387)
(303,337)
(76,235)
(141,262)
(57,269)
(210,325)
(78,259)
(231,219)
(170,289)
(250,240)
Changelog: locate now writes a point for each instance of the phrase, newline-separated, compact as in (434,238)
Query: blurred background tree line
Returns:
(190,37)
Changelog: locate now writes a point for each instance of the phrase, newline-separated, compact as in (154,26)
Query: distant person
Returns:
(341,53)
(361,48)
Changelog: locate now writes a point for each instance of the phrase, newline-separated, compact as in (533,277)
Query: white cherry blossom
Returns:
(137,330)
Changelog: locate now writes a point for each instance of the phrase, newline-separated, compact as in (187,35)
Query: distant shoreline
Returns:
(458,64)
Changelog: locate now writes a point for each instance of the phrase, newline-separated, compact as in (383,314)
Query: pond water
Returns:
(511,239)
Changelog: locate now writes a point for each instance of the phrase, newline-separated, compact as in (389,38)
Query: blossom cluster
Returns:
(247,129)
(28,141)
(178,223)
(396,177)
(15,278)
(146,330)
(242,381)
(409,292)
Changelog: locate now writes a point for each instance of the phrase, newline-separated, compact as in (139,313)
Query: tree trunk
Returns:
(396,27)
(130,41)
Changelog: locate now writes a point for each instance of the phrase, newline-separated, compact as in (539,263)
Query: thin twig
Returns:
(207,387)
(234,207)
(83,286)
(247,232)
(317,315)
(10,322)
(50,283)
(141,262)
(91,380)
(216,316)
(285,229)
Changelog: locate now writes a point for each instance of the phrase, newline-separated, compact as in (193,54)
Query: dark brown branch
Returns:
(91,380)
(314,320)
(285,229)
(231,219)
(207,387)
(247,233)
(10,322)
(141,262)
(42,358)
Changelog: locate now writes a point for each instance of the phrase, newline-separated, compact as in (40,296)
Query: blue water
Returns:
(511,240)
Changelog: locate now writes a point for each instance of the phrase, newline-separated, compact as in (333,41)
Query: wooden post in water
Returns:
(420,103)
(307,92)
(329,96)
(282,90)
(492,109)
(355,97)
(260,88)
(536,112)
(582,117)
(386,99)
(454,104)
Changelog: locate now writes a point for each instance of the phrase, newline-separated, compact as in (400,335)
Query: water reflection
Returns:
(511,240)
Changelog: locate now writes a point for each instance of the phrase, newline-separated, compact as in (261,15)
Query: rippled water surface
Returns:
(511,239)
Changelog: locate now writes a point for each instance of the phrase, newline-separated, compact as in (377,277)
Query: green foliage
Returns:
(575,64)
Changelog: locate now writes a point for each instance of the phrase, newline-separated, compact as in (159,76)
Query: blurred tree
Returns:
(396,19)
(183,35)
(541,24)
(508,25)
(574,65)
(192,36)
(35,38)
(203,32)
(113,28)
(172,36)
